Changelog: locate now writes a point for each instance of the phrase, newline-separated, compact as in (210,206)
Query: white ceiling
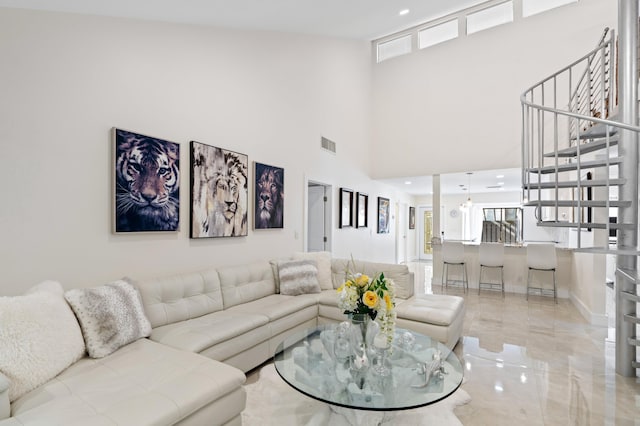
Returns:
(357,19)
(456,183)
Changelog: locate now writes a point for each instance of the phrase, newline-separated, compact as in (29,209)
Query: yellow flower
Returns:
(339,290)
(370,299)
(362,280)
(387,300)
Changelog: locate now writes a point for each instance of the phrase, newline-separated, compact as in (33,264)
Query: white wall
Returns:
(66,80)
(456,106)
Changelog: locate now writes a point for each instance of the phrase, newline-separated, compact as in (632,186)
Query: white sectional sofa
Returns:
(206,329)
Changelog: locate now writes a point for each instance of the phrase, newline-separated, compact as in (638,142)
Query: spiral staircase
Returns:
(580,163)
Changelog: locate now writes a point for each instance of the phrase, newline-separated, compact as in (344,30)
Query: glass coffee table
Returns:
(420,371)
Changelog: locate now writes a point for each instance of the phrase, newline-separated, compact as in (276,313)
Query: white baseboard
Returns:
(598,320)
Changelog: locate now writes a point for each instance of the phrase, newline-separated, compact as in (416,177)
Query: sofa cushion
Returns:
(110,316)
(284,312)
(201,333)
(180,297)
(277,306)
(323,261)
(298,277)
(435,309)
(143,383)
(39,337)
(245,283)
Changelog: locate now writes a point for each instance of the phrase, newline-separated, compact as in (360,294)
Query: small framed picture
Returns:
(383,215)
(362,210)
(412,218)
(346,208)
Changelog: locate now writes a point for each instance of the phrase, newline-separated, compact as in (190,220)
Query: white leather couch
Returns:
(235,315)
(208,327)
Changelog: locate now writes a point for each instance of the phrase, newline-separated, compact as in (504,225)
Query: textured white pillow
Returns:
(39,337)
(110,316)
(298,277)
(323,260)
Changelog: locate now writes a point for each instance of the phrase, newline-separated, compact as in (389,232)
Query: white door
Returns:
(317,239)
(402,227)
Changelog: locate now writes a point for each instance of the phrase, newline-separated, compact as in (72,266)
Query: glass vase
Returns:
(359,323)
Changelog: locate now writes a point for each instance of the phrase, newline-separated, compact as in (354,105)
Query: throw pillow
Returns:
(110,316)
(39,337)
(323,260)
(298,277)
(276,275)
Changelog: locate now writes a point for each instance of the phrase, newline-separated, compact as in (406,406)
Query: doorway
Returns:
(424,222)
(318,235)
(402,226)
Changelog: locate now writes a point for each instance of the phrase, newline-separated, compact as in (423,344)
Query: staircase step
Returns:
(585,148)
(609,250)
(633,341)
(632,318)
(574,166)
(573,184)
(598,131)
(574,203)
(630,296)
(629,274)
(559,224)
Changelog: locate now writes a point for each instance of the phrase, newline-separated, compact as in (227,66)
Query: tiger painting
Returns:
(269,197)
(219,192)
(147,181)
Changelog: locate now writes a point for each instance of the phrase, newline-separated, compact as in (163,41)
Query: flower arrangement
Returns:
(375,297)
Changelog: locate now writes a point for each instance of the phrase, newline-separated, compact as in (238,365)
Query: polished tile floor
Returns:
(536,363)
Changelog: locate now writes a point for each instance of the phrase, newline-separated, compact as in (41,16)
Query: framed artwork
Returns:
(346,206)
(269,197)
(362,210)
(383,215)
(146,182)
(219,192)
(412,218)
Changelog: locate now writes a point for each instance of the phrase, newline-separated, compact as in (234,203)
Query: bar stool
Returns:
(453,254)
(542,257)
(491,255)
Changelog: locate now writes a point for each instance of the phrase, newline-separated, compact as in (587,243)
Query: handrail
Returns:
(567,115)
(568,67)
(583,117)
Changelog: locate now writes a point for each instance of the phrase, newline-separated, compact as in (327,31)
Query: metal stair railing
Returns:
(594,91)
(560,145)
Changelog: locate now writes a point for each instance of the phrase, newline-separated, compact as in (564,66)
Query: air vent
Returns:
(328,145)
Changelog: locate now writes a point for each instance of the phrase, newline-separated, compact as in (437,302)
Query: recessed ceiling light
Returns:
(404,12)
(499,176)
(408,182)
(500,183)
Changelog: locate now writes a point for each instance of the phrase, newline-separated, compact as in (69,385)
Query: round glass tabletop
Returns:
(417,370)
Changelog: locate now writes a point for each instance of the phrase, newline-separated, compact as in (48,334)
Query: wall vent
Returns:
(328,145)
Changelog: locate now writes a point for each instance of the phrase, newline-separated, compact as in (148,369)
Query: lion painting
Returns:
(269,197)
(219,192)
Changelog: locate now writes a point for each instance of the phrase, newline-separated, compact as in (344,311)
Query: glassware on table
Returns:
(381,345)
